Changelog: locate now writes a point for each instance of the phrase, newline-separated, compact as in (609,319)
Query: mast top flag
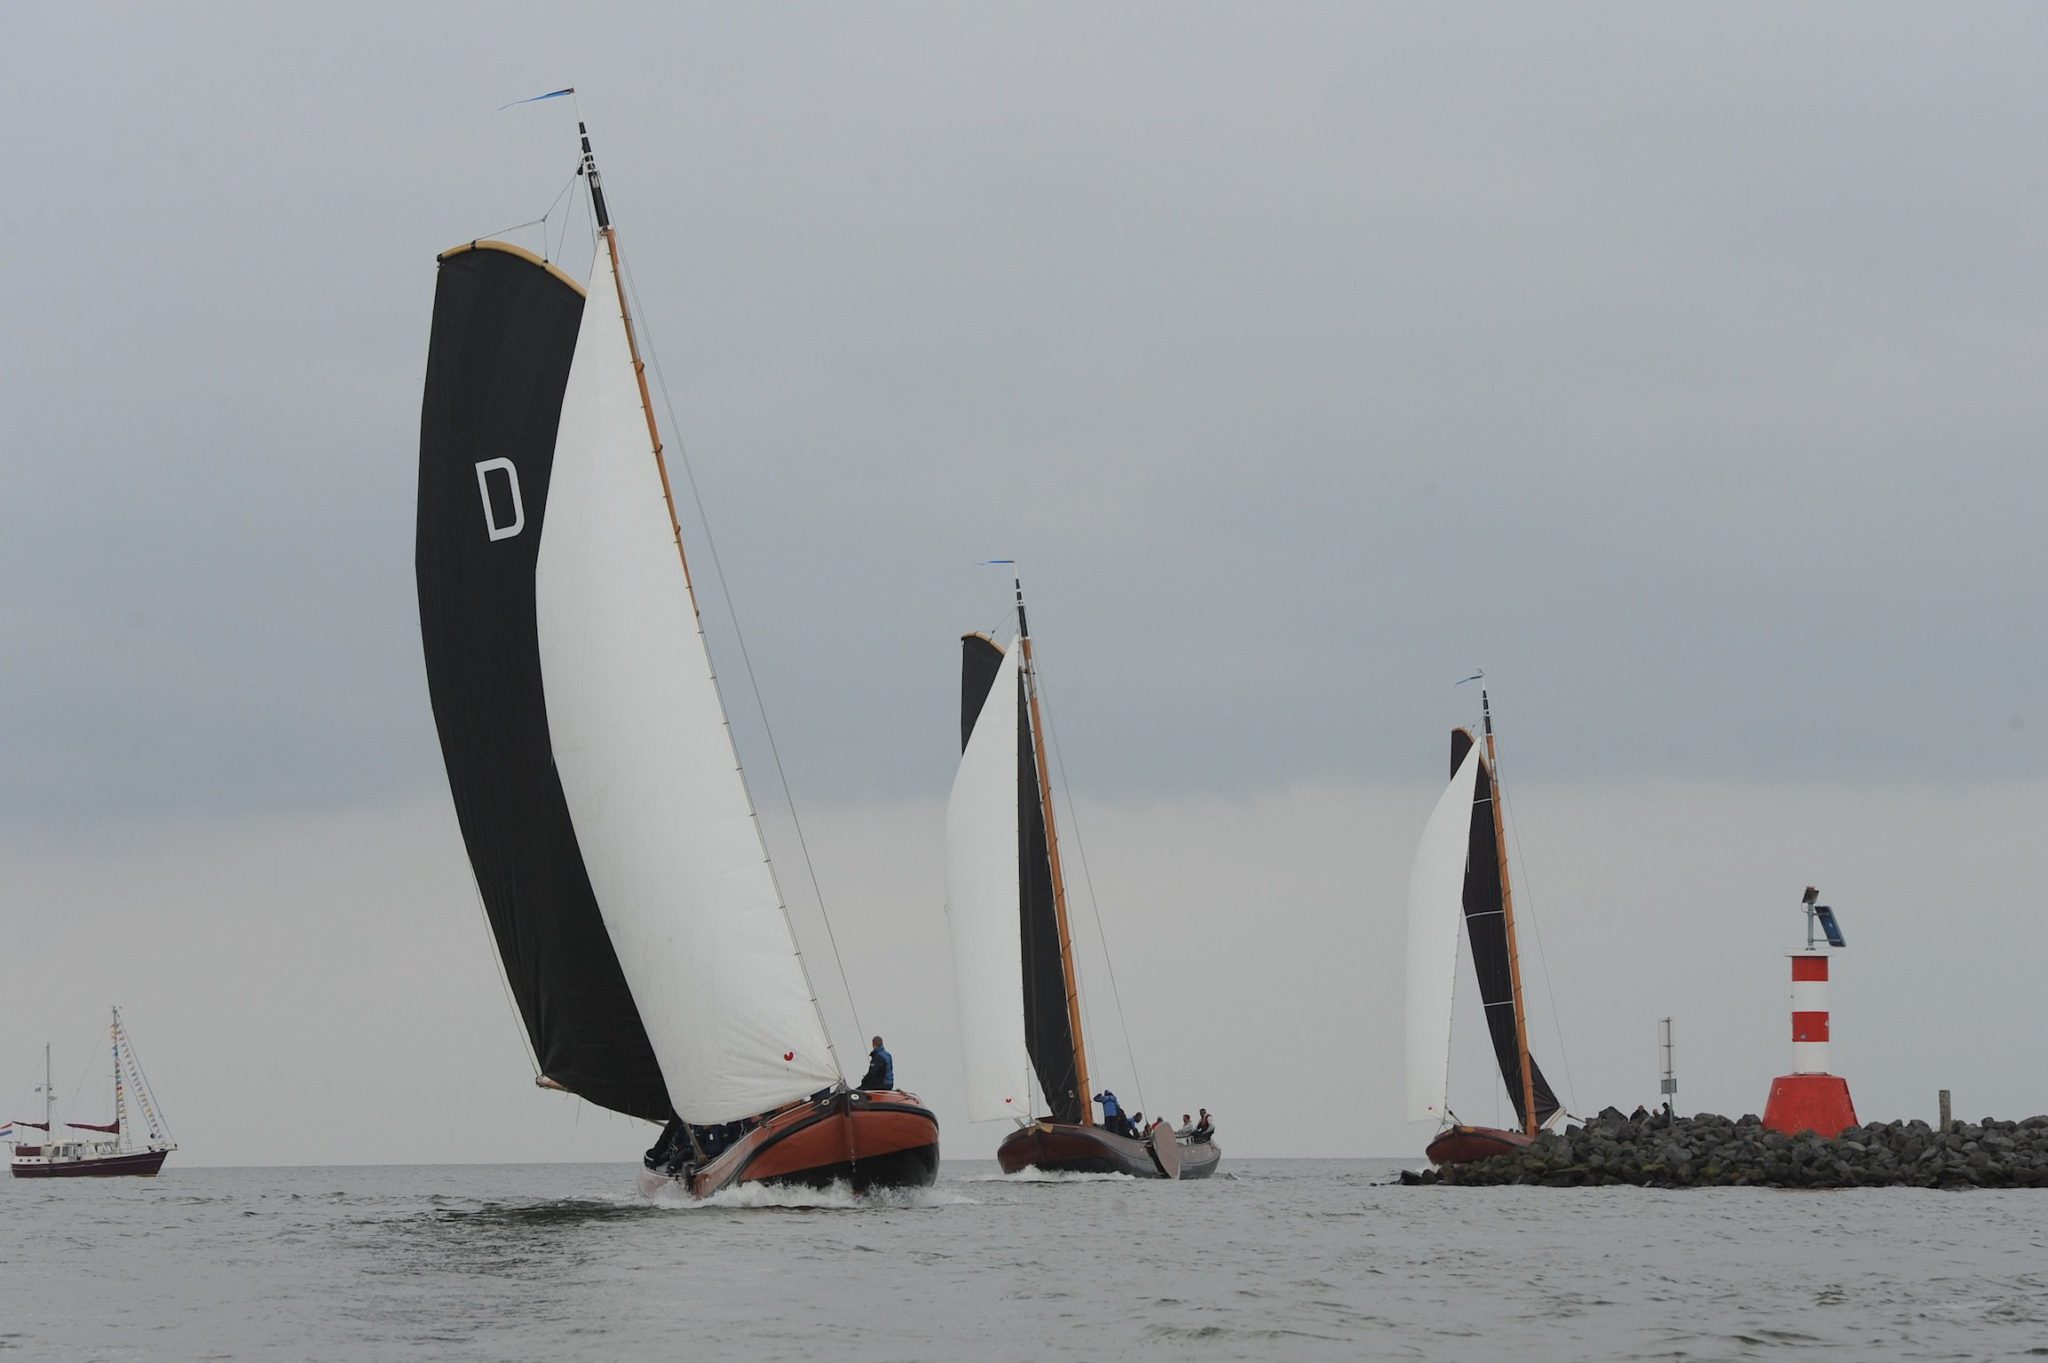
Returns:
(535,99)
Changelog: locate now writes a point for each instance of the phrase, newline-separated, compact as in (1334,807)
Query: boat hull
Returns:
(133,1164)
(1067,1148)
(1464,1144)
(866,1140)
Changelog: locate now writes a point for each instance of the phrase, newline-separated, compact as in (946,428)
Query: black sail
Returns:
(1048,1029)
(1487,929)
(497,366)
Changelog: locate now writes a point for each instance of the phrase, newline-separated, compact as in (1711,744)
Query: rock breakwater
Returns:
(1711,1151)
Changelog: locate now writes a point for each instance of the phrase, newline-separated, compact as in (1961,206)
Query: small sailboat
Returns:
(600,797)
(122,1151)
(1013,959)
(1461,871)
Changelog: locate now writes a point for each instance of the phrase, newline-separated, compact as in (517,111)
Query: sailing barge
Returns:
(1013,960)
(121,1154)
(1461,871)
(594,776)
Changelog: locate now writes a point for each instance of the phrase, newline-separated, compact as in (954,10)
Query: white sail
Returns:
(647,764)
(1436,898)
(982,909)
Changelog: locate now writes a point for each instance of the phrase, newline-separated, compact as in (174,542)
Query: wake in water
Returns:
(1045,1176)
(839,1197)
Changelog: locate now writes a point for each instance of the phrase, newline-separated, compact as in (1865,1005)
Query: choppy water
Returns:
(1279,1259)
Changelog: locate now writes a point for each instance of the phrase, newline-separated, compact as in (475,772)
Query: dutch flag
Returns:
(7,1132)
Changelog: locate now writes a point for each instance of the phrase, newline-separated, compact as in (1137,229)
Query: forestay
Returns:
(982,906)
(647,763)
(1436,887)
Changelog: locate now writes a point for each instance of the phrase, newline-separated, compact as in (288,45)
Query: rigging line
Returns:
(1507,807)
(154,1109)
(503,232)
(1094,906)
(567,185)
(1451,1032)
(541,221)
(589,225)
(91,1056)
(80,1086)
(753,681)
(569,215)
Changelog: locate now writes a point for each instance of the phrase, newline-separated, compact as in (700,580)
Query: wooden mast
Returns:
(1059,884)
(611,242)
(1507,910)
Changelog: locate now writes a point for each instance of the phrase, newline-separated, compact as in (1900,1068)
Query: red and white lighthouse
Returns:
(1810,1098)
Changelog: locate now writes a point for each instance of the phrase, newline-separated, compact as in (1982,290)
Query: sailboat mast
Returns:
(49,1099)
(611,243)
(1059,883)
(1507,909)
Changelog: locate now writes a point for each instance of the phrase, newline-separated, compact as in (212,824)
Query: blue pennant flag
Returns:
(552,94)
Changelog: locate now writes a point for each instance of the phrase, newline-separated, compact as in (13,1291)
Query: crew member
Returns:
(672,1149)
(1113,1117)
(881,1068)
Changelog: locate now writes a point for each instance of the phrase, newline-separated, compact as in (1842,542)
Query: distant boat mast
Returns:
(1507,910)
(1059,883)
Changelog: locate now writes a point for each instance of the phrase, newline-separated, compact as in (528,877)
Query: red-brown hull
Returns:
(1464,1144)
(866,1140)
(138,1164)
(1065,1148)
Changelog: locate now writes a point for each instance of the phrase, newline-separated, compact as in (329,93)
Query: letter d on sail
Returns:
(484,470)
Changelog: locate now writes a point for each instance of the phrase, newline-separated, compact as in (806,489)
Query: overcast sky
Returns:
(1678,366)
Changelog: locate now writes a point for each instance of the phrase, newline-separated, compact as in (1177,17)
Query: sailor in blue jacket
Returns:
(1113,1118)
(881,1068)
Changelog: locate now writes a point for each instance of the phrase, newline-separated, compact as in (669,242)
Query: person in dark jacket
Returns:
(1205,1130)
(672,1149)
(881,1068)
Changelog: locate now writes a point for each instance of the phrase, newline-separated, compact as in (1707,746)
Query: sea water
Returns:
(1273,1259)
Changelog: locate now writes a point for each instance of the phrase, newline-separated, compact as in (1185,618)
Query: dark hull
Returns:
(140,1164)
(1464,1144)
(864,1140)
(1064,1148)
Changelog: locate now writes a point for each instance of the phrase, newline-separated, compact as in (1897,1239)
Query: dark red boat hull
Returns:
(866,1140)
(1065,1148)
(140,1164)
(1464,1144)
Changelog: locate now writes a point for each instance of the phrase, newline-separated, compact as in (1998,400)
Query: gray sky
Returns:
(1676,366)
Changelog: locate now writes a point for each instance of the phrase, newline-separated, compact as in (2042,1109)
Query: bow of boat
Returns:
(1070,1148)
(1464,1144)
(864,1139)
